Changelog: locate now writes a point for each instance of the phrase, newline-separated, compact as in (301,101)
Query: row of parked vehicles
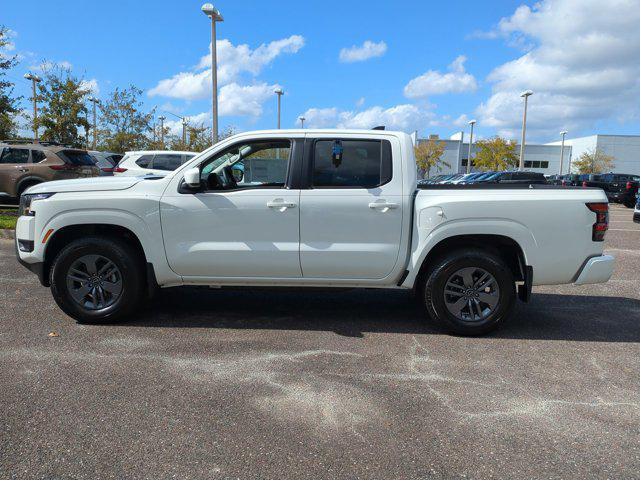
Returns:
(619,187)
(23,165)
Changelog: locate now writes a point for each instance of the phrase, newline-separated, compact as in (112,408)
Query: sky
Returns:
(409,65)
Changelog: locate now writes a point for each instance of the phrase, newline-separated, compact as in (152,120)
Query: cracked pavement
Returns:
(270,383)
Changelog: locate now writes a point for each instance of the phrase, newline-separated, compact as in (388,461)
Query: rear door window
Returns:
(351,163)
(166,161)
(37,156)
(14,155)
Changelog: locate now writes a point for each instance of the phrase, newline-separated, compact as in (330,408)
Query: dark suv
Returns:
(25,164)
(515,177)
(619,187)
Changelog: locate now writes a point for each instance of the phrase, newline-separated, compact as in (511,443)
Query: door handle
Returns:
(22,169)
(282,206)
(383,206)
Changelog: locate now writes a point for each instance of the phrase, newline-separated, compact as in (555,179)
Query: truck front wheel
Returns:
(471,292)
(97,279)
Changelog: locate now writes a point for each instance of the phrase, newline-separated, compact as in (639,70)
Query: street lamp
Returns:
(472,123)
(162,118)
(302,119)
(526,94)
(215,16)
(279,92)
(34,79)
(94,100)
(562,133)
(184,126)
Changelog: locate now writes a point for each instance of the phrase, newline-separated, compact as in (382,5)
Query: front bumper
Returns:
(596,270)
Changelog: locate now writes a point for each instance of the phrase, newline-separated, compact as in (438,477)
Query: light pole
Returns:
(472,123)
(94,100)
(526,94)
(215,16)
(563,133)
(279,92)
(302,119)
(184,132)
(34,79)
(162,119)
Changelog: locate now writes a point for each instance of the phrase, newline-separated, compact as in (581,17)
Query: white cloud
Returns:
(360,102)
(48,65)
(175,125)
(400,117)
(363,52)
(582,64)
(244,100)
(91,85)
(8,37)
(233,61)
(457,80)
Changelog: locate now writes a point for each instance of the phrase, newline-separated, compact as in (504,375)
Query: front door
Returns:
(245,222)
(351,214)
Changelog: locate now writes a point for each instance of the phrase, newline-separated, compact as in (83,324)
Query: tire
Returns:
(480,317)
(26,185)
(109,298)
(630,204)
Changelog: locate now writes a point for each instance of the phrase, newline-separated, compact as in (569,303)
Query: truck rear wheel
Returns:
(95,280)
(470,292)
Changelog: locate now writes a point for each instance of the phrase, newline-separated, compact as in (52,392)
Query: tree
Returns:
(198,138)
(62,112)
(124,124)
(594,161)
(429,155)
(8,103)
(495,154)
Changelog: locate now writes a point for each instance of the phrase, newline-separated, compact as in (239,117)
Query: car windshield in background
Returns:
(76,157)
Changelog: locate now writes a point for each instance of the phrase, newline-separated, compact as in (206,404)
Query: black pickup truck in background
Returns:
(619,187)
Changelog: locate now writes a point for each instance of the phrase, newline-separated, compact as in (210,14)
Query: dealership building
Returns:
(537,158)
(545,158)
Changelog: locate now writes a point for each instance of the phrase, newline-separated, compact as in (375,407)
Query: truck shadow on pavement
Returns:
(354,313)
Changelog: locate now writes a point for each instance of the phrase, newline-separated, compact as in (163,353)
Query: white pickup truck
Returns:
(310,208)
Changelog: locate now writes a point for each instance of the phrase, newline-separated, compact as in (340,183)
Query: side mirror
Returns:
(192,177)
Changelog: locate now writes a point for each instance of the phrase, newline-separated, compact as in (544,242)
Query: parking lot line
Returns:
(623,230)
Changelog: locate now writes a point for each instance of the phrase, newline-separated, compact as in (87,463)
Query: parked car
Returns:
(23,165)
(344,211)
(515,177)
(619,187)
(636,211)
(106,161)
(149,162)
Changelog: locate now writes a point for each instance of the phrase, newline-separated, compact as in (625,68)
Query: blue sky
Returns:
(429,66)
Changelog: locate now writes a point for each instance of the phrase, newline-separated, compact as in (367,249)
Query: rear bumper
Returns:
(596,270)
(636,216)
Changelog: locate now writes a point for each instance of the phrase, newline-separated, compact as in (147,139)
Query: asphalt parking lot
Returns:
(300,384)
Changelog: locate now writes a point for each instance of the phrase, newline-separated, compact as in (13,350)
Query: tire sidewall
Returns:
(120,255)
(434,291)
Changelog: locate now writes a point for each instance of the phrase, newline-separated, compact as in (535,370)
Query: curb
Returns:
(7,234)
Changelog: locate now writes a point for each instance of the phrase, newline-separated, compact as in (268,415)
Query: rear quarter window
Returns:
(144,161)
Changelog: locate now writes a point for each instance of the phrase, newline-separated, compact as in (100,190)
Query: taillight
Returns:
(64,166)
(564,183)
(602,220)
(119,170)
(629,186)
(107,170)
(584,183)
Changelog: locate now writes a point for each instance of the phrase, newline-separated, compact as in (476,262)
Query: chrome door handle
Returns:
(282,206)
(383,206)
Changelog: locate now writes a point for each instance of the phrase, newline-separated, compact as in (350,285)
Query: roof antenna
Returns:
(379,127)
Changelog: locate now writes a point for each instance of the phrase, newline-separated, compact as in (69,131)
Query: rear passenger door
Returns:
(350,208)
(165,162)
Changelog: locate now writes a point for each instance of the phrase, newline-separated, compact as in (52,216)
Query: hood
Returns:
(89,184)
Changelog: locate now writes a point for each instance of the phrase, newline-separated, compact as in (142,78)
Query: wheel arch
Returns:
(66,234)
(504,246)
(27,182)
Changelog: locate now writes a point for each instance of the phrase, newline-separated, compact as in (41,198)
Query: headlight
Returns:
(26,199)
